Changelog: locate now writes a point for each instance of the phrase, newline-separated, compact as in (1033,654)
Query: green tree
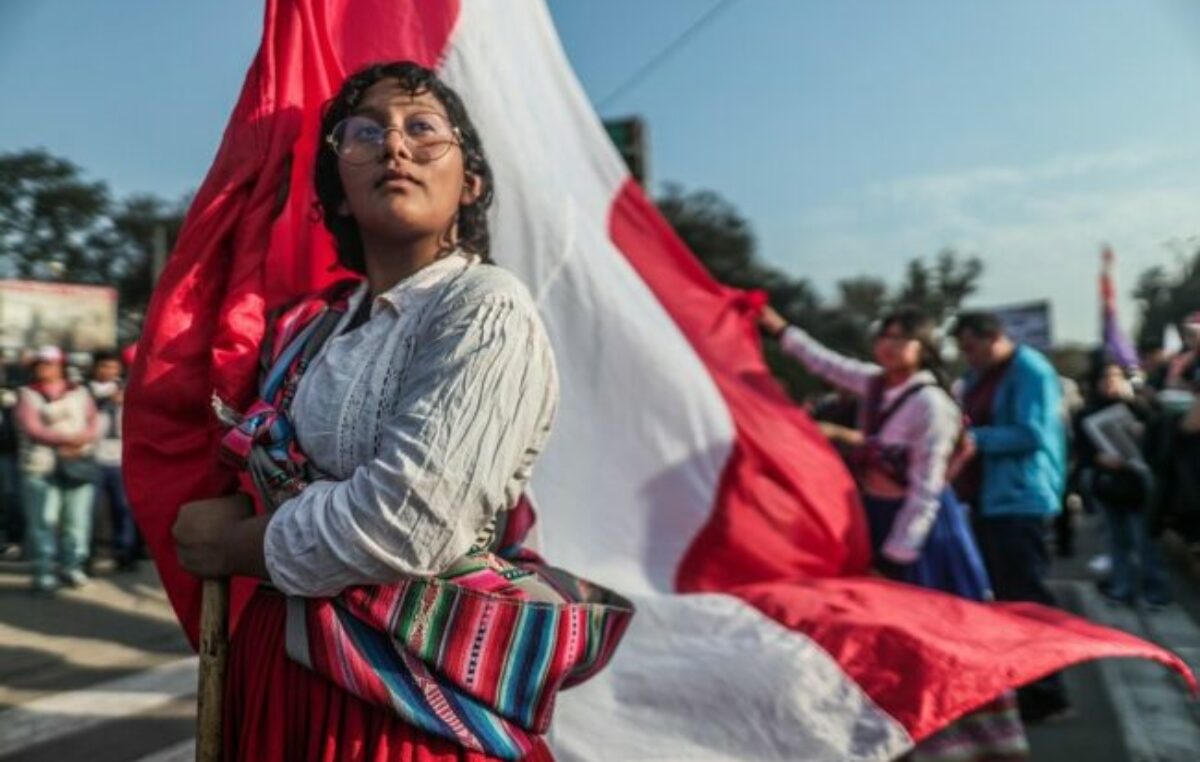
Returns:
(1165,298)
(865,296)
(716,232)
(941,288)
(56,225)
(141,224)
(50,219)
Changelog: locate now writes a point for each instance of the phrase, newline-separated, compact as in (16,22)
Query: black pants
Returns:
(1014,552)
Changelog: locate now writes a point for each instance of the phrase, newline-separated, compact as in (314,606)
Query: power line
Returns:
(666,52)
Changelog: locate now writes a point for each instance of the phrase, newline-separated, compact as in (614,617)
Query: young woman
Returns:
(419,419)
(901,454)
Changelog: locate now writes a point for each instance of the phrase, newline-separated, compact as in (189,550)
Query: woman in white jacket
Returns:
(907,444)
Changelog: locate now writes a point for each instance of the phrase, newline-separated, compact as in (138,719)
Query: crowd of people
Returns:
(961,481)
(60,467)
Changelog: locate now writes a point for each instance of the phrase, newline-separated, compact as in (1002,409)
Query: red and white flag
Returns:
(679,472)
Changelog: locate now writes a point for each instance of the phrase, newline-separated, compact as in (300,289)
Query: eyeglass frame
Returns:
(332,142)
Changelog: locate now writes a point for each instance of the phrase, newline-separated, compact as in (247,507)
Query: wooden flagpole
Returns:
(214,651)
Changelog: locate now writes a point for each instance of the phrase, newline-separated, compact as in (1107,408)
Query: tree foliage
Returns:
(1165,298)
(55,225)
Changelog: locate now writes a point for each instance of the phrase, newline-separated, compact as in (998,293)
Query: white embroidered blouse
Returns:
(928,424)
(427,420)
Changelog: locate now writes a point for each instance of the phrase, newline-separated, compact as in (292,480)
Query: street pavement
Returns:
(103,674)
(1126,710)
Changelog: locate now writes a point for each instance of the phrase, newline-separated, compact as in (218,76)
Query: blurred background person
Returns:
(900,454)
(107,387)
(57,426)
(907,429)
(1064,524)
(1172,443)
(1120,489)
(12,510)
(1013,398)
(1152,359)
(1183,370)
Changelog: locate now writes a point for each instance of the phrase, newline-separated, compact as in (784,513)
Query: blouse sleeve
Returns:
(852,375)
(927,460)
(478,395)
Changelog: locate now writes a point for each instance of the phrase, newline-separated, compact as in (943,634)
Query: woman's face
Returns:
(896,352)
(48,372)
(1113,384)
(394,197)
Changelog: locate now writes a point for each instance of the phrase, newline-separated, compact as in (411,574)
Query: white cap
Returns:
(48,353)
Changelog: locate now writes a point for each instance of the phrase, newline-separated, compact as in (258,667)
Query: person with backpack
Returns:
(58,427)
(909,442)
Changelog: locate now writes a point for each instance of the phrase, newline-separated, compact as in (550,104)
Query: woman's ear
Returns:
(343,209)
(472,189)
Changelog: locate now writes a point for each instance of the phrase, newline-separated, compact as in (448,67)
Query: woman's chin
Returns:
(397,227)
(398,213)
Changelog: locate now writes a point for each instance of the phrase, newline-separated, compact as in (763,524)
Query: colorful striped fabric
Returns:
(476,654)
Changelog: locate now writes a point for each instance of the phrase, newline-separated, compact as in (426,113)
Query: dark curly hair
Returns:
(472,224)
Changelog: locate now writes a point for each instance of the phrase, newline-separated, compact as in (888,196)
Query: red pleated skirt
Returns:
(278,710)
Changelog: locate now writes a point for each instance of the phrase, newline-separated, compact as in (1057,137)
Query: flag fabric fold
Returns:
(1116,344)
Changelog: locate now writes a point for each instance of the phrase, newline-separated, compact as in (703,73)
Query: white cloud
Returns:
(959,187)
(1037,227)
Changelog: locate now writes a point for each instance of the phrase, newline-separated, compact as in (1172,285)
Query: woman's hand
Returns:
(771,321)
(69,451)
(1111,462)
(220,537)
(83,439)
(835,433)
(962,455)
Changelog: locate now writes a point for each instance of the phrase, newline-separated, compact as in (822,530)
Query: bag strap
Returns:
(883,416)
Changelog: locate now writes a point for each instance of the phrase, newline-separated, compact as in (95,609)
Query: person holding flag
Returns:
(903,456)
(420,400)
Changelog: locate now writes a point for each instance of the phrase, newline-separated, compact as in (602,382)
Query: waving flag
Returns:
(679,472)
(1116,345)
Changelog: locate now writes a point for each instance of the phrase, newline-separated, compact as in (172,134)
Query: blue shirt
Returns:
(1023,447)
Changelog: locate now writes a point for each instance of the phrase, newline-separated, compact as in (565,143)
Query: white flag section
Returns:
(642,435)
(634,465)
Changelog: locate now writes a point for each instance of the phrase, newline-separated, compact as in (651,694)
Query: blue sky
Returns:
(854,134)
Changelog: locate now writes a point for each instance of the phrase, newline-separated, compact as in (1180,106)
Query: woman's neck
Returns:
(53,388)
(389,262)
(897,376)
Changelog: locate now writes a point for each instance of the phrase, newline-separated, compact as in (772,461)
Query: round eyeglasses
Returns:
(359,139)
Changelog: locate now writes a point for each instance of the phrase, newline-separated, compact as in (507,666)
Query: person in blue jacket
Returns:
(1012,397)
